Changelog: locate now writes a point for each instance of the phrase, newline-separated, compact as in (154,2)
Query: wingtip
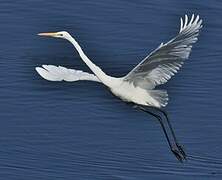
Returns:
(181,24)
(193,21)
(38,69)
(44,66)
(186,20)
(43,73)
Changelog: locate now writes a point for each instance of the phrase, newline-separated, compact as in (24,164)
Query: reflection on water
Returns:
(79,130)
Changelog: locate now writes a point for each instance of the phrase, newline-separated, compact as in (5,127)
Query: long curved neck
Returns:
(95,69)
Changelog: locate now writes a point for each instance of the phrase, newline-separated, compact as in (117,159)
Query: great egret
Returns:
(138,85)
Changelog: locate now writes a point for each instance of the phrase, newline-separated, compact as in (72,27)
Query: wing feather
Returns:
(60,73)
(161,64)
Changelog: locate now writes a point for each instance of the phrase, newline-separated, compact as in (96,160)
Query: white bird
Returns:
(138,86)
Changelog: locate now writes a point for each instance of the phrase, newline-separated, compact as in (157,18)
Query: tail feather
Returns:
(160,97)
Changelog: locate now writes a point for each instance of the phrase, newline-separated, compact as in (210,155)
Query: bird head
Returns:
(60,34)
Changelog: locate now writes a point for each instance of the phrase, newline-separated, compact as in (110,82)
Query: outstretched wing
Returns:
(59,73)
(161,64)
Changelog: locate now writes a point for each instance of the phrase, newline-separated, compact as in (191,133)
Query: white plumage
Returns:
(60,73)
(138,85)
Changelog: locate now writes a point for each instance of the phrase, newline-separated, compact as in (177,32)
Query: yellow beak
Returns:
(52,34)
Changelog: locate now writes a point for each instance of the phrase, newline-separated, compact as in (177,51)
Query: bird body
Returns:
(138,86)
(128,92)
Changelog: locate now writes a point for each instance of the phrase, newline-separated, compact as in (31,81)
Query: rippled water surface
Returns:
(79,130)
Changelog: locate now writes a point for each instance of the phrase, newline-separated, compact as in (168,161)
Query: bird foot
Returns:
(179,153)
(181,149)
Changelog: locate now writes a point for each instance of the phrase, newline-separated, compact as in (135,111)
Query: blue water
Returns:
(58,130)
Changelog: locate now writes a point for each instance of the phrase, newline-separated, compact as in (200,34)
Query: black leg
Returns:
(168,132)
(172,131)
